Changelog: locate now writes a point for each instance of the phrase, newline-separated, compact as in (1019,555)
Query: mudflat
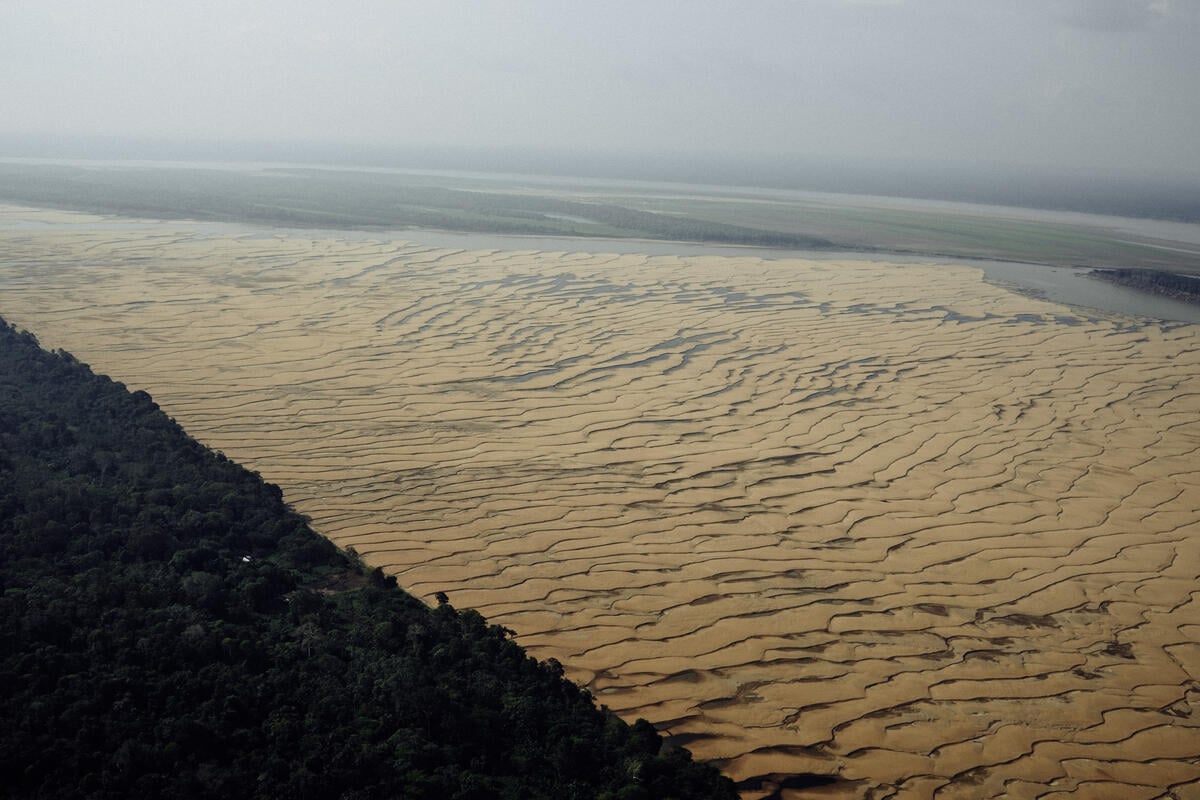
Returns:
(885,523)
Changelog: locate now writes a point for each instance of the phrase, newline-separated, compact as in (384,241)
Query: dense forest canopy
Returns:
(169,628)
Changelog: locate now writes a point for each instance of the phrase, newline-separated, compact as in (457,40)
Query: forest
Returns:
(1168,284)
(170,628)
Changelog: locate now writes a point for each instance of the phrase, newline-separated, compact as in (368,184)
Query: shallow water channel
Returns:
(1066,285)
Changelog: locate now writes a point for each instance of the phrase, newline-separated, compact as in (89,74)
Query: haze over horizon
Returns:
(1098,87)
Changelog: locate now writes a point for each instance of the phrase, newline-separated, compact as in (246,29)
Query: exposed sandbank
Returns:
(885,522)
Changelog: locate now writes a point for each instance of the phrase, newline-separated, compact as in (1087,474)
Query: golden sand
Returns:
(886,523)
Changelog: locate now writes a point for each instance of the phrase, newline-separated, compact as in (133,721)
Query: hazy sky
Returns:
(1097,84)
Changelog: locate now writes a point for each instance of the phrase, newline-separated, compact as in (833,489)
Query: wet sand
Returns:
(886,523)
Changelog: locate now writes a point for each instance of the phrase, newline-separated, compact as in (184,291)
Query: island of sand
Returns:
(883,523)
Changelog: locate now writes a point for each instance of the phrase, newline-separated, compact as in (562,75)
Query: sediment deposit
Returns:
(884,523)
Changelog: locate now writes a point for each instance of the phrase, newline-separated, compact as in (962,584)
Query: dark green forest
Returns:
(1168,284)
(170,628)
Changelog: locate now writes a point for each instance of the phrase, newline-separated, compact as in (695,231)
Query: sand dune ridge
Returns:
(884,523)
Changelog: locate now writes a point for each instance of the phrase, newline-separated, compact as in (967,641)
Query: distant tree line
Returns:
(170,629)
(1170,284)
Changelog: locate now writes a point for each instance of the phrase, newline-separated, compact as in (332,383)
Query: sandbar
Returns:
(886,523)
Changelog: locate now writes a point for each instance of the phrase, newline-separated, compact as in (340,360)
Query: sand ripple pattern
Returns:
(887,524)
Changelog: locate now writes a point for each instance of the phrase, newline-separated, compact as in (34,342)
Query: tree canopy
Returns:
(170,628)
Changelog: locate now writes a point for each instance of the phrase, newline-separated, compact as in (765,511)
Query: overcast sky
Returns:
(1094,84)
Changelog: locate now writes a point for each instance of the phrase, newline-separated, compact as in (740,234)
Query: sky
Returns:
(1092,85)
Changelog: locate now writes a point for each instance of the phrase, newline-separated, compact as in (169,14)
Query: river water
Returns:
(1066,285)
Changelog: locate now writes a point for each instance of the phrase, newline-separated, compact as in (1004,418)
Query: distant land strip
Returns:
(360,199)
(321,199)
